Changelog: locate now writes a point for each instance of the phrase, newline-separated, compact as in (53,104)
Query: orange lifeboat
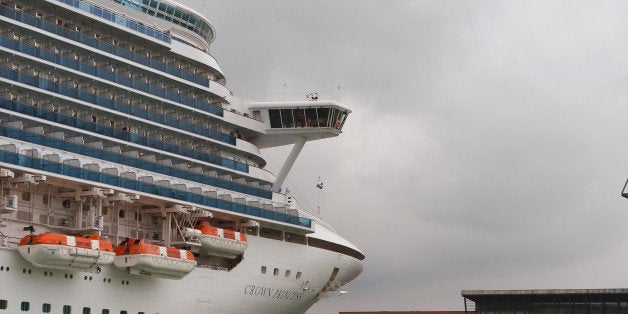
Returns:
(139,257)
(52,250)
(220,242)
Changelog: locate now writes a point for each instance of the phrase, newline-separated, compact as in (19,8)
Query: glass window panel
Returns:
(286,118)
(323,117)
(611,308)
(311,118)
(335,118)
(343,118)
(595,308)
(275,118)
(299,118)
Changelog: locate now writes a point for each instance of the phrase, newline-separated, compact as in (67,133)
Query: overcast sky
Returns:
(487,147)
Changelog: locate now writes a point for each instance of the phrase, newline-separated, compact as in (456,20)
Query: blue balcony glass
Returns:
(117,158)
(56,29)
(7,73)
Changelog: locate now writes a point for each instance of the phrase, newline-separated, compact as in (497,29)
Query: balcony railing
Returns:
(94,176)
(119,158)
(113,17)
(110,76)
(104,102)
(101,45)
(120,134)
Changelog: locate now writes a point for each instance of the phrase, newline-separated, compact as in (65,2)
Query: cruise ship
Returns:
(132,178)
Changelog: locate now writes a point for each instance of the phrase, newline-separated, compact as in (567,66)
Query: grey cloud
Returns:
(486,145)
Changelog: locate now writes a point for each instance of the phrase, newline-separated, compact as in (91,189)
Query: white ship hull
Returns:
(243,290)
(115,121)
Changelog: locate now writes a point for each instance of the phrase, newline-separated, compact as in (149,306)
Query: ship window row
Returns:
(93,39)
(143,84)
(319,117)
(25,306)
(287,274)
(113,17)
(171,14)
(151,187)
(159,141)
(150,112)
(146,161)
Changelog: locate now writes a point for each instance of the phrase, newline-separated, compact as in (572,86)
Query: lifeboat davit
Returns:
(52,250)
(220,242)
(139,257)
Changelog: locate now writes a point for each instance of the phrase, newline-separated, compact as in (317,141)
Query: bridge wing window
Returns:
(323,117)
(311,117)
(287,119)
(275,118)
(343,118)
(307,118)
(299,115)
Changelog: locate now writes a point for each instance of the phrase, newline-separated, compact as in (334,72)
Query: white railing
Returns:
(290,96)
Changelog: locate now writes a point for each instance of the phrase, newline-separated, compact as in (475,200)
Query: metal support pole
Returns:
(296,150)
(168,234)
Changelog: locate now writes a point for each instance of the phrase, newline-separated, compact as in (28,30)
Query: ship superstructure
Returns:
(117,130)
